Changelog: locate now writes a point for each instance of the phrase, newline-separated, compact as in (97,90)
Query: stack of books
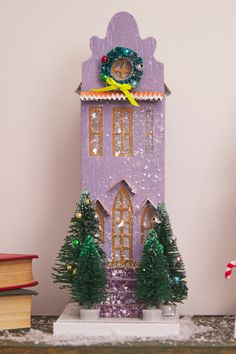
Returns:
(15,301)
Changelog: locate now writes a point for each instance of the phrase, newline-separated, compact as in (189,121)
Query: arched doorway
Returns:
(122,229)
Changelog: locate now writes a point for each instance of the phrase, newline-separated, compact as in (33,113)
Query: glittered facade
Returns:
(123,148)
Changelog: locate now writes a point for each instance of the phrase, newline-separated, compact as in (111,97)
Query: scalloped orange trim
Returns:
(134,93)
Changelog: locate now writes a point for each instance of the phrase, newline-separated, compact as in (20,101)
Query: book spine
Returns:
(13,287)
(15,257)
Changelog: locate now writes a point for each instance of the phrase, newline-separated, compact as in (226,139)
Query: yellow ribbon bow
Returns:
(114,85)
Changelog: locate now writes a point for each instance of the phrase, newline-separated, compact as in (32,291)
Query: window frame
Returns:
(123,133)
(93,132)
(149,149)
(122,234)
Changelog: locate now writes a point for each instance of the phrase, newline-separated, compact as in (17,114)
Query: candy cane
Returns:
(229,268)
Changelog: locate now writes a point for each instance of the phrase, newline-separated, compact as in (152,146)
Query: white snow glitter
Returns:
(187,330)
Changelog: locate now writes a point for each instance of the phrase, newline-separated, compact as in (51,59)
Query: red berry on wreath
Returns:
(104,59)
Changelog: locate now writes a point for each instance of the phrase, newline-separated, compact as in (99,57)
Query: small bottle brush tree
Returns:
(179,289)
(90,281)
(153,283)
(83,223)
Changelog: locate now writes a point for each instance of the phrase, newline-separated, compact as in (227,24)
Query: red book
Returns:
(16,271)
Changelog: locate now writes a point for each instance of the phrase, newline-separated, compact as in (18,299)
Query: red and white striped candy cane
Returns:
(229,268)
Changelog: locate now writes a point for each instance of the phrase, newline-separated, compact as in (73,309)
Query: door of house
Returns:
(122,229)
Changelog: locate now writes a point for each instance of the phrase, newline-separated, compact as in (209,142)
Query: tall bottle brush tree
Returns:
(153,283)
(179,289)
(83,223)
(89,284)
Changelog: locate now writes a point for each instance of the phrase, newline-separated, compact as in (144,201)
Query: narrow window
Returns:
(122,229)
(122,132)
(146,223)
(101,222)
(95,131)
(149,132)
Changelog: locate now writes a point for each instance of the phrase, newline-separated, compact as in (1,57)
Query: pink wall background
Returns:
(43,44)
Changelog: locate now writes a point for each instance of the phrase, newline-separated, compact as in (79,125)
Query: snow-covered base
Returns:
(216,330)
(69,323)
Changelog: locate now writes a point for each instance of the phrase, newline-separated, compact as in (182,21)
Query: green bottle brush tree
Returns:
(176,269)
(82,249)
(153,283)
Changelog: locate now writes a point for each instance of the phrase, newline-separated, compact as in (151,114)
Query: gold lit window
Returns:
(95,131)
(146,223)
(149,132)
(122,229)
(101,222)
(122,132)
(121,69)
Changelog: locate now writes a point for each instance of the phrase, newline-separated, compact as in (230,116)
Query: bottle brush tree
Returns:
(83,223)
(179,289)
(153,283)
(90,282)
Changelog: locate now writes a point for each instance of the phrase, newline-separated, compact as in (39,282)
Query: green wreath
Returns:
(123,65)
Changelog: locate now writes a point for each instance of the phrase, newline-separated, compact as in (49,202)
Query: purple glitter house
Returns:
(123,149)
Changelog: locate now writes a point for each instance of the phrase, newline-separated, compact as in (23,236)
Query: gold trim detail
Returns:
(95,131)
(122,229)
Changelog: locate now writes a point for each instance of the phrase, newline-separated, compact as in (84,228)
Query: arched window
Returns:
(101,222)
(146,223)
(122,69)
(122,229)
